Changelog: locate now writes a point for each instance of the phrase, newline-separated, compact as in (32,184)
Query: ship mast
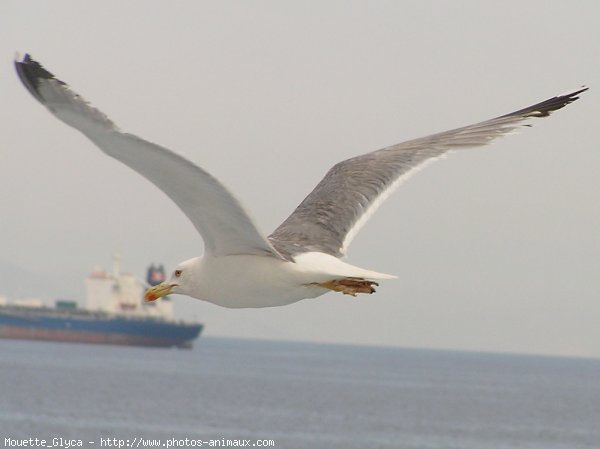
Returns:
(116,268)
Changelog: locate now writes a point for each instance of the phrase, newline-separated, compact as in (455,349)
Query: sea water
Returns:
(293,395)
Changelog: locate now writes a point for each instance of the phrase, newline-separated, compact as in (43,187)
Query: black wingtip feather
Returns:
(544,108)
(31,72)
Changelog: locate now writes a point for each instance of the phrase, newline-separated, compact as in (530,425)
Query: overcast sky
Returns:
(496,248)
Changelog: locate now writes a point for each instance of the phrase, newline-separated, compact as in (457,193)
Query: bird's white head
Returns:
(181,281)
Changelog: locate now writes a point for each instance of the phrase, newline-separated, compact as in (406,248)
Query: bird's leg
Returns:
(350,286)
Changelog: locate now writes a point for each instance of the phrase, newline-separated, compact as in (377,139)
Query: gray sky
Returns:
(496,248)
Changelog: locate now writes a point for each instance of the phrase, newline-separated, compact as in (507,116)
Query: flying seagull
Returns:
(302,257)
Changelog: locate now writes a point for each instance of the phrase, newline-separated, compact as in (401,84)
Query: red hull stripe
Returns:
(31,333)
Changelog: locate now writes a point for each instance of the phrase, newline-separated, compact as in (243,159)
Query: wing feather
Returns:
(221,220)
(333,213)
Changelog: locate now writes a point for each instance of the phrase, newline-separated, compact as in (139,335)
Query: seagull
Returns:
(241,268)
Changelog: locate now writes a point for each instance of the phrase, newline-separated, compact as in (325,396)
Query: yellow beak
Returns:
(158,291)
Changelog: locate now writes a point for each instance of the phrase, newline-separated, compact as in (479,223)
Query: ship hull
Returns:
(95,328)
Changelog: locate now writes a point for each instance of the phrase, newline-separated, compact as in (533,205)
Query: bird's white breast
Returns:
(261,281)
(251,281)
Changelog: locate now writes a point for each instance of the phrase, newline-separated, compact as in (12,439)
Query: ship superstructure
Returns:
(119,292)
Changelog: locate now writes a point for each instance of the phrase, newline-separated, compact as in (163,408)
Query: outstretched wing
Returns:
(224,225)
(332,214)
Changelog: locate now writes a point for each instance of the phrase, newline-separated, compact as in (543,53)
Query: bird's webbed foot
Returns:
(350,286)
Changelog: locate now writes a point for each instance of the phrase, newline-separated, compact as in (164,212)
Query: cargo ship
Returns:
(114,313)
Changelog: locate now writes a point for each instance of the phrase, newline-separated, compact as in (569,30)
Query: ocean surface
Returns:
(297,395)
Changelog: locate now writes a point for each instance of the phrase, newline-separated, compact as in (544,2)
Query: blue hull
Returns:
(88,327)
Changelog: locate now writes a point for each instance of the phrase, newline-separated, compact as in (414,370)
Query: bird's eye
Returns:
(177,273)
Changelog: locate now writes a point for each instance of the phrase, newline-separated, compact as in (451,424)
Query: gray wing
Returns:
(332,214)
(224,225)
